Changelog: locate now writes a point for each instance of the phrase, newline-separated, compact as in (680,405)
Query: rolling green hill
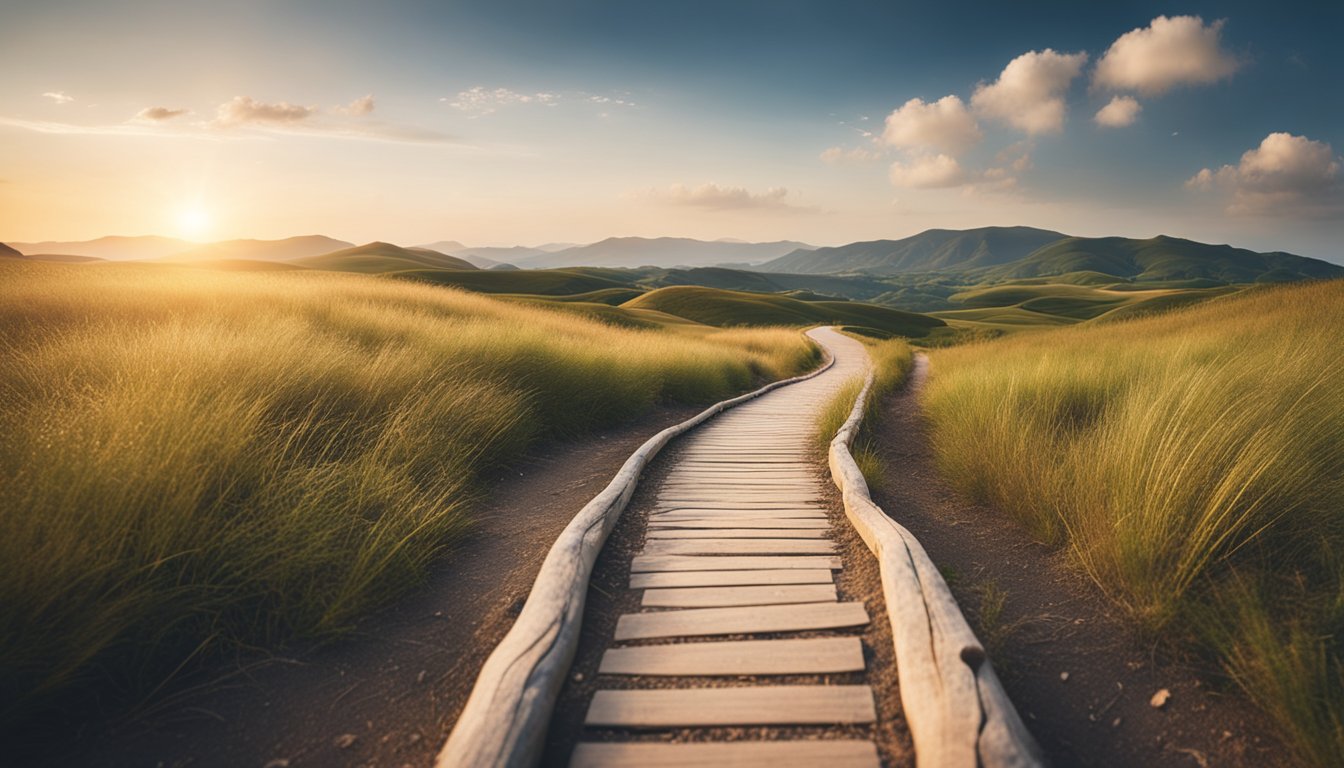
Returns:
(536,282)
(1163,258)
(378,257)
(931,250)
(713,306)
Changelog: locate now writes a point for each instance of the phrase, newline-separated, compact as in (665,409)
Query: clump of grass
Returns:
(893,360)
(1182,458)
(196,460)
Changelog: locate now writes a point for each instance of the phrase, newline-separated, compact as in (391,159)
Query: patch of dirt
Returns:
(389,693)
(1078,672)
(609,596)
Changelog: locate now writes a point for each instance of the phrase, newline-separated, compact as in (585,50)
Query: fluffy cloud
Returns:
(244,110)
(1029,94)
(715,197)
(357,108)
(1121,111)
(60,97)
(928,172)
(944,125)
(158,114)
(850,156)
(1172,51)
(1286,174)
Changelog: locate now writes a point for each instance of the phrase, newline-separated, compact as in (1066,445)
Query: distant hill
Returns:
(712,306)
(113,247)
(450,247)
(287,249)
(377,257)
(537,282)
(1163,258)
(487,257)
(12,253)
(933,250)
(660,252)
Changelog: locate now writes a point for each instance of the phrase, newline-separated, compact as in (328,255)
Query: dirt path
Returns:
(1076,670)
(388,694)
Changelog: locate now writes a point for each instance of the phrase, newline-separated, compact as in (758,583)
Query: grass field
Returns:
(893,359)
(197,460)
(1193,463)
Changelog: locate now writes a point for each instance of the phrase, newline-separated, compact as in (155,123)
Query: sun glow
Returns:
(193,221)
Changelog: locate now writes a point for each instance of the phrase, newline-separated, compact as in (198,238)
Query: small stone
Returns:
(578,677)
(279,762)
(1064,676)
(414,738)
(1227,734)
(1159,699)
(1115,723)
(420,678)
(345,740)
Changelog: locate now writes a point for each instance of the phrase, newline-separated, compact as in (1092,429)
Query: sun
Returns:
(193,221)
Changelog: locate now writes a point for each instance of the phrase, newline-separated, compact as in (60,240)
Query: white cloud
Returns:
(944,125)
(927,172)
(849,156)
(1171,51)
(716,197)
(158,114)
(1285,175)
(244,110)
(482,101)
(60,97)
(1121,111)
(357,108)
(1029,94)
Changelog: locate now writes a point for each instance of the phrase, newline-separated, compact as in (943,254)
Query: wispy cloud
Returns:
(357,108)
(159,114)
(480,101)
(59,97)
(244,110)
(716,197)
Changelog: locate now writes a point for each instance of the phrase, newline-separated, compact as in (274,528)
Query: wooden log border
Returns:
(958,712)
(504,721)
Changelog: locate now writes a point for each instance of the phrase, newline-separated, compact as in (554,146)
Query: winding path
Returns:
(738,545)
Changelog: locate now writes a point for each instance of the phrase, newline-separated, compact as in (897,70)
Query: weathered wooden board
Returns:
(717,597)
(694,523)
(653,563)
(812,656)
(729,578)
(737,547)
(831,753)
(656,533)
(757,705)
(697,622)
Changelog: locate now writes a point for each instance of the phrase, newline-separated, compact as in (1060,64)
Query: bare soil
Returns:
(609,596)
(388,693)
(1079,672)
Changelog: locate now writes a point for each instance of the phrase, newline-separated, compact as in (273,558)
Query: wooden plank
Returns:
(737,547)
(756,705)
(654,563)
(718,597)
(832,753)
(697,622)
(716,523)
(729,578)
(813,656)
(737,533)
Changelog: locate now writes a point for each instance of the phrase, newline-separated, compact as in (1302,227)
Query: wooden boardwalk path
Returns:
(739,544)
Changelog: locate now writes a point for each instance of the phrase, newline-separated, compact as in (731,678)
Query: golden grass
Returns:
(198,459)
(892,360)
(1194,465)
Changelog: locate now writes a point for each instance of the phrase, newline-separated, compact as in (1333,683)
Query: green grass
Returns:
(893,359)
(199,460)
(713,306)
(537,282)
(1193,463)
(378,257)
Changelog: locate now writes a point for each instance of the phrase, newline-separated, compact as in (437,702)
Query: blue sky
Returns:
(526,122)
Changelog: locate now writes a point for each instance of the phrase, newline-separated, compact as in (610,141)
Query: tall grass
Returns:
(1194,465)
(195,460)
(892,361)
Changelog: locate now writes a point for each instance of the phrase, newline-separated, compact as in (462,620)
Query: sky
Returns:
(506,122)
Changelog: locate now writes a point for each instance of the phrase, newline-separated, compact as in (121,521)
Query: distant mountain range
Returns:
(934,250)
(288,249)
(661,252)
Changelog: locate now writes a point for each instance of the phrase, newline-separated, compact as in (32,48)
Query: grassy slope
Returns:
(718,307)
(200,459)
(1194,463)
(379,257)
(537,282)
